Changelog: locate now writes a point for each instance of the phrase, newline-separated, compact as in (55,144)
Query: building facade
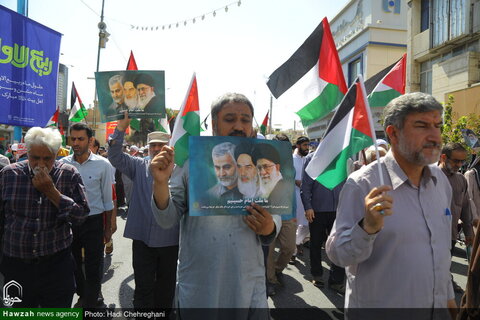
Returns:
(444,51)
(370,35)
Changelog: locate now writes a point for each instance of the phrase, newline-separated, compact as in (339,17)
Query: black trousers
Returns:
(89,269)
(47,282)
(155,272)
(319,230)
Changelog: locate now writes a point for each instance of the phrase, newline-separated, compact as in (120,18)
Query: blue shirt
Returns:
(141,224)
(96,174)
(317,197)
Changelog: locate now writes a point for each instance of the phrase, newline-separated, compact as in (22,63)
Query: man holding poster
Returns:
(221,264)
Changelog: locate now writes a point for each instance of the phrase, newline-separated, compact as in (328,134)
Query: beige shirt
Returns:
(406,264)
(460,204)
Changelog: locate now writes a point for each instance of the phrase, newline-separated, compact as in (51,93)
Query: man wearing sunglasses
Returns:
(453,157)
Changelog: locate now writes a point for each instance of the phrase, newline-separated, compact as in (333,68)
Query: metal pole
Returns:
(22,8)
(271,115)
(100,35)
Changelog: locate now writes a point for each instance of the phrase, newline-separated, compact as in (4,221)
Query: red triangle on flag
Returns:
(360,120)
(396,78)
(132,65)
(191,103)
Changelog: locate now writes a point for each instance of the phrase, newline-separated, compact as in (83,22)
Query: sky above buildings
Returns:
(233,51)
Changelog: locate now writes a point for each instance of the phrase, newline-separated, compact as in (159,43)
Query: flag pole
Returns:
(374,136)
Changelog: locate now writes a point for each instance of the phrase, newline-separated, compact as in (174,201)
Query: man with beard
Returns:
(116,90)
(301,151)
(131,95)
(394,239)
(247,171)
(452,158)
(145,85)
(272,185)
(97,175)
(226,172)
(221,265)
(154,249)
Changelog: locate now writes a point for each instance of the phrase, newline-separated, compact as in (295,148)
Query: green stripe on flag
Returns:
(191,123)
(181,150)
(336,172)
(320,106)
(382,98)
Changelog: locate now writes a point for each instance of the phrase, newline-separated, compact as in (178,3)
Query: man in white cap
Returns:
(155,250)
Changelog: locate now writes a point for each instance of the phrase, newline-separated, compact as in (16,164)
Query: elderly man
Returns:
(97,174)
(226,172)
(118,105)
(247,171)
(394,239)
(147,100)
(452,158)
(155,249)
(221,262)
(40,199)
(131,94)
(272,185)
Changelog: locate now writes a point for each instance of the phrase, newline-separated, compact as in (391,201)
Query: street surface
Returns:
(298,291)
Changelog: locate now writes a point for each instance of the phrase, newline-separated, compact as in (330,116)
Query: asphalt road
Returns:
(297,295)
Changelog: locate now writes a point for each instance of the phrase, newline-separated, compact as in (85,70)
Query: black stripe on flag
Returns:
(73,96)
(302,61)
(372,82)
(347,104)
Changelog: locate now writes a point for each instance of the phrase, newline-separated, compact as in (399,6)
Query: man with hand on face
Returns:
(97,174)
(394,239)
(221,264)
(226,172)
(39,201)
(118,105)
(452,158)
(154,249)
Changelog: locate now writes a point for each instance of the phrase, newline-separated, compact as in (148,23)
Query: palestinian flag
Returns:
(78,111)
(187,123)
(350,130)
(263,127)
(312,79)
(392,85)
(53,120)
(132,65)
(162,124)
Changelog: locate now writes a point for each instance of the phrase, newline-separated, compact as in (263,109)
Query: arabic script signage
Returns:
(29,55)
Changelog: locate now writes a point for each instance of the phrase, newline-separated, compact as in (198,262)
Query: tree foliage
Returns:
(453,125)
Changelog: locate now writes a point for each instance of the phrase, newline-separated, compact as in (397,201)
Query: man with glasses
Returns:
(147,100)
(452,159)
(272,185)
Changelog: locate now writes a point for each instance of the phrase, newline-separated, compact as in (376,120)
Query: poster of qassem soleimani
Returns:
(140,92)
(226,174)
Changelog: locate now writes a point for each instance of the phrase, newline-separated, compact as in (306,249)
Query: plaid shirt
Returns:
(33,226)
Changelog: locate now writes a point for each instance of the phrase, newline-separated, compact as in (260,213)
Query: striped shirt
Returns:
(33,225)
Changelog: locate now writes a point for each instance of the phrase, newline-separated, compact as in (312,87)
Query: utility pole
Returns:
(102,40)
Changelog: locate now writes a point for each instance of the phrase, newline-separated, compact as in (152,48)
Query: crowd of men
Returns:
(388,230)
